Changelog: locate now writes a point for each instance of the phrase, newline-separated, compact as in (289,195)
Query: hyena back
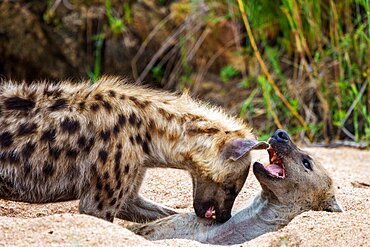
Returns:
(93,142)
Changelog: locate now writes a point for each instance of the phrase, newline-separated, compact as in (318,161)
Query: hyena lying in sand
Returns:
(93,142)
(291,183)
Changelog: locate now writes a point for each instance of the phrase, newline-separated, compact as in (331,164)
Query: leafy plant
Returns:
(228,72)
(157,73)
(95,74)
(116,25)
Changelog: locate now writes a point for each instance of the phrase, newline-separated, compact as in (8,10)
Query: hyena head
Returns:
(294,178)
(222,160)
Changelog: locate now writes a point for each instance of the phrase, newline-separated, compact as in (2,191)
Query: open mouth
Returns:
(274,167)
(211,213)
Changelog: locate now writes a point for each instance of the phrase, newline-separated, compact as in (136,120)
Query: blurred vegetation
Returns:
(318,52)
(299,65)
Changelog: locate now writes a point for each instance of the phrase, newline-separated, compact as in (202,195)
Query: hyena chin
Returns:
(93,142)
(292,182)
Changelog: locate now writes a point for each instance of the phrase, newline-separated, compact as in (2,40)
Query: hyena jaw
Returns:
(64,141)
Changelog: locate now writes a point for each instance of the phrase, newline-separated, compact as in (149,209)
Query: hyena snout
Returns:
(214,201)
(281,136)
(213,210)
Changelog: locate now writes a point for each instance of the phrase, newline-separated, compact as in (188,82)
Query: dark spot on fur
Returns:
(107,106)
(122,97)
(72,153)
(117,167)
(109,191)
(106,175)
(121,120)
(98,97)
(126,190)
(119,146)
(99,185)
(148,137)
(94,107)
(59,104)
(48,135)
(100,205)
(138,139)
(27,129)
(132,119)
(112,93)
(119,183)
(145,147)
(137,102)
(81,142)
(17,103)
(6,139)
(132,140)
(120,194)
(117,159)
(127,168)
(28,150)
(116,130)
(55,93)
(113,202)
(104,135)
(82,105)
(109,216)
(69,125)
(103,156)
(27,168)
(48,169)
(97,197)
(168,116)
(54,152)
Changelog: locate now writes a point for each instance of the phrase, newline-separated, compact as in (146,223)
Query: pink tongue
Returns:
(275,169)
(209,212)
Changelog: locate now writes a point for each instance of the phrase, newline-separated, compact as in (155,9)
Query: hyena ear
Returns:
(333,206)
(237,148)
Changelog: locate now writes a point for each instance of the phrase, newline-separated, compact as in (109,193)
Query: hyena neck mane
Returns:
(175,131)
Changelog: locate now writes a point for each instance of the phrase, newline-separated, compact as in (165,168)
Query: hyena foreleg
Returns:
(140,209)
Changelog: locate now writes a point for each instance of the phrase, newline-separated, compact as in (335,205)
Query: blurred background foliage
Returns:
(303,65)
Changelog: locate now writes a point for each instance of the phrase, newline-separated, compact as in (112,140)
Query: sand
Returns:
(56,224)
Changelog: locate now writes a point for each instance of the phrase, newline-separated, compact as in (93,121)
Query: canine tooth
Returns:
(214,217)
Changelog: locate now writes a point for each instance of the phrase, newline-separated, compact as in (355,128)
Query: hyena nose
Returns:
(281,136)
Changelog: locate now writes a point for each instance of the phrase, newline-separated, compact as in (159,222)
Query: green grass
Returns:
(317,52)
(95,74)
(325,47)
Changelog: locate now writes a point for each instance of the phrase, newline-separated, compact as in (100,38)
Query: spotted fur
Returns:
(93,142)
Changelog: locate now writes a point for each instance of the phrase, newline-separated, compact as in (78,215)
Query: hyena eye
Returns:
(307,164)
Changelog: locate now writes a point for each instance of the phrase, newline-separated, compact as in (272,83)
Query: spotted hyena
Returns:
(93,142)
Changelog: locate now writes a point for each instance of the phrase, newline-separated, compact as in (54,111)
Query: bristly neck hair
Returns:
(181,129)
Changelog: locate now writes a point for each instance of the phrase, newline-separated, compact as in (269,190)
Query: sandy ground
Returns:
(55,224)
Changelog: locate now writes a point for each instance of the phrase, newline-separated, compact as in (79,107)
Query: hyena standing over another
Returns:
(63,141)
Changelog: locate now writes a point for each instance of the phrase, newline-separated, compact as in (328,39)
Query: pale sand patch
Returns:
(60,224)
